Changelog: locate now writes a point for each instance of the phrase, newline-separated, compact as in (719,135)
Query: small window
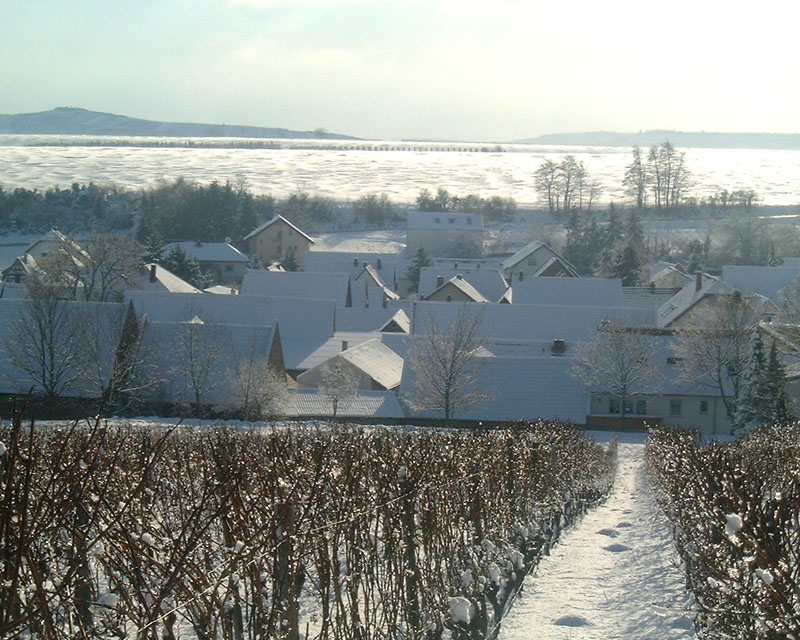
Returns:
(675,407)
(228,267)
(641,407)
(449,298)
(437,219)
(469,220)
(674,360)
(704,406)
(451,220)
(614,406)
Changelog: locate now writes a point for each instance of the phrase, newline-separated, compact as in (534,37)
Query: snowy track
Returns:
(614,575)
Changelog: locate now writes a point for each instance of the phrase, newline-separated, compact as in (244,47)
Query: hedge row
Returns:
(111,530)
(735,510)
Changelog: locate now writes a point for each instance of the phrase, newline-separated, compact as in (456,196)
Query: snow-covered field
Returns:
(614,575)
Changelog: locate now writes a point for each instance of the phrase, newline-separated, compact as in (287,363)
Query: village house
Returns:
(536,259)
(444,234)
(276,240)
(224,262)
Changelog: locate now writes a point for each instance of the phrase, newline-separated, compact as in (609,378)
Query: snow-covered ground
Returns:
(614,575)
(377,241)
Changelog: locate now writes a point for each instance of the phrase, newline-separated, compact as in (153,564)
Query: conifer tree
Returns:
(419,260)
(775,386)
(752,407)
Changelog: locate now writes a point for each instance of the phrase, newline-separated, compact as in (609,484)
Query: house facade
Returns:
(276,239)
(444,233)
(224,262)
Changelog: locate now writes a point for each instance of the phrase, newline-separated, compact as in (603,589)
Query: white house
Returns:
(444,234)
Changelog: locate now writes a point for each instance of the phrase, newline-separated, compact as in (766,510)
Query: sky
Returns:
(473,70)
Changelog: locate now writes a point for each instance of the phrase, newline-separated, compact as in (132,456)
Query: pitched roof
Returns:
(530,321)
(373,319)
(304,324)
(272,221)
(687,297)
(767,281)
(445,220)
(489,282)
(583,292)
(308,403)
(333,346)
(297,284)
(555,266)
(372,358)
(208,251)
(463,286)
(154,277)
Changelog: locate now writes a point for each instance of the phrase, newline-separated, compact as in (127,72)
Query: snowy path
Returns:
(614,575)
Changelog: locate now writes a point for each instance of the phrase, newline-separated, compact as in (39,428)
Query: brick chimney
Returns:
(152,273)
(698,281)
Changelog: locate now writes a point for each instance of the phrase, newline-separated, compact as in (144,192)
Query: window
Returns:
(674,360)
(675,407)
(614,406)
(451,220)
(437,219)
(469,220)
(641,407)
(228,268)
(449,298)
(704,406)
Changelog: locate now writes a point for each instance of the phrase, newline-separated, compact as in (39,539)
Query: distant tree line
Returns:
(494,209)
(79,207)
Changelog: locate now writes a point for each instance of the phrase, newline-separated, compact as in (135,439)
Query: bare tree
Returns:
(338,384)
(714,346)
(636,178)
(446,365)
(667,173)
(257,387)
(201,355)
(100,270)
(618,361)
(46,340)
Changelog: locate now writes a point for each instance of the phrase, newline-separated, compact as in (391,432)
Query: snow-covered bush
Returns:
(735,509)
(114,530)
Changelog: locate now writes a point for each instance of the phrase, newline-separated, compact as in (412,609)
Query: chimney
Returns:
(698,282)
(378,264)
(152,273)
(559,347)
(459,276)
(521,276)
(439,281)
(344,345)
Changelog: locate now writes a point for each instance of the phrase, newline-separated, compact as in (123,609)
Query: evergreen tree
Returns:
(628,266)
(775,387)
(289,262)
(752,406)
(419,260)
(184,267)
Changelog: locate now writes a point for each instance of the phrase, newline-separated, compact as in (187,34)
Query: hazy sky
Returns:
(494,70)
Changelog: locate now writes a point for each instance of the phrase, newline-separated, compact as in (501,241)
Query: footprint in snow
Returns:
(623,525)
(607,532)
(628,511)
(617,548)
(572,621)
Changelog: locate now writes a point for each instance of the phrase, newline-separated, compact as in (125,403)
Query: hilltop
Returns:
(698,139)
(75,121)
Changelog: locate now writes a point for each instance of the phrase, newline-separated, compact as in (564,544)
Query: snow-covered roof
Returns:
(208,251)
(377,360)
(297,284)
(529,321)
(371,319)
(272,221)
(687,297)
(304,324)
(555,266)
(589,292)
(340,341)
(445,220)
(522,254)
(489,282)
(308,403)
(371,357)
(522,389)
(646,297)
(767,281)
(221,290)
(386,265)
(463,286)
(154,277)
